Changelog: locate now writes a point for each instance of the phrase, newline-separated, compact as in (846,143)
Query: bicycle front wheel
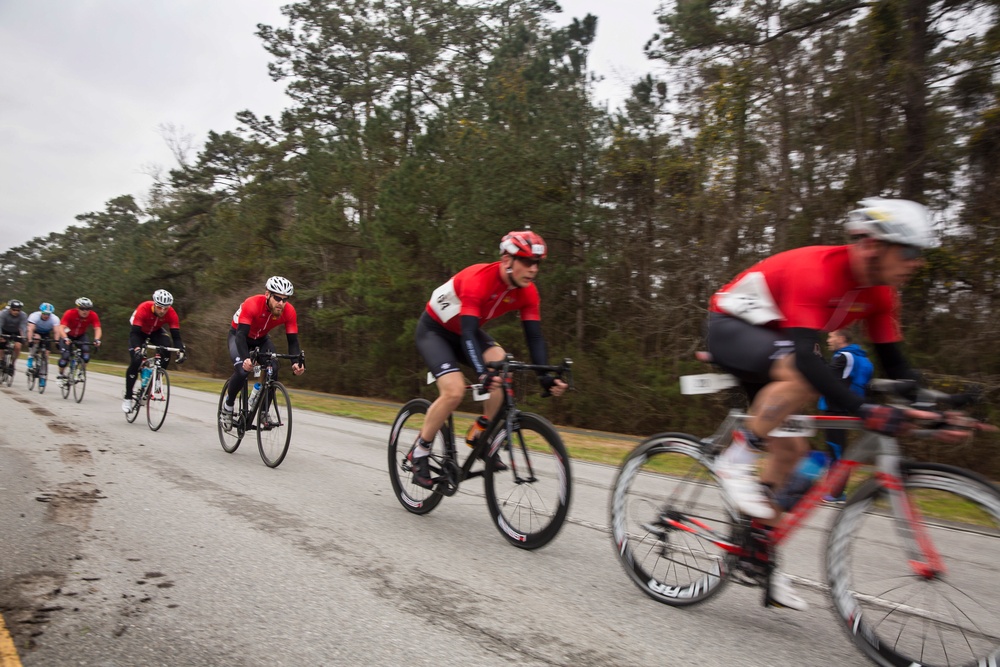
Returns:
(66,381)
(42,372)
(530,500)
(30,374)
(274,425)
(137,400)
(8,370)
(79,383)
(232,437)
(158,399)
(402,438)
(665,485)
(898,612)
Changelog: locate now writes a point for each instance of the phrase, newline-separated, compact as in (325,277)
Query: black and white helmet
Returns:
(162,297)
(85,303)
(14,304)
(891,220)
(279,285)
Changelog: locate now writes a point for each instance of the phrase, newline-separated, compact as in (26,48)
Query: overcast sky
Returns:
(86,87)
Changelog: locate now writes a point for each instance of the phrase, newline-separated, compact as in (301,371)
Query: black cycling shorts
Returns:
(746,350)
(442,349)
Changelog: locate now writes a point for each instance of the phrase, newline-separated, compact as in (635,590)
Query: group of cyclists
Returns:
(764,327)
(43,327)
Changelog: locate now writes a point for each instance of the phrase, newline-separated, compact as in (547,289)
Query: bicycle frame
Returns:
(505,418)
(883,450)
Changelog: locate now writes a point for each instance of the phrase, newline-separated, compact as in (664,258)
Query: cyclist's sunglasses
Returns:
(528,261)
(910,252)
(280,299)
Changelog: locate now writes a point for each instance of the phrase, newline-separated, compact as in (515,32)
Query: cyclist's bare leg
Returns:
(492,404)
(451,390)
(788,394)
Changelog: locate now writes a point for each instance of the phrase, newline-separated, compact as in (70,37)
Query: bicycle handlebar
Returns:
(151,346)
(257,355)
(923,398)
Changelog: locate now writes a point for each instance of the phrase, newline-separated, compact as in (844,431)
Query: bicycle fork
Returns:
(924,558)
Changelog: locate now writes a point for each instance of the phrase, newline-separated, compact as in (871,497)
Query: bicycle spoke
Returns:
(403,434)
(274,425)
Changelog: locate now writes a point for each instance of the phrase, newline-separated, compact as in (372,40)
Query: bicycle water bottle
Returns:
(145,376)
(475,430)
(809,469)
(30,364)
(254,395)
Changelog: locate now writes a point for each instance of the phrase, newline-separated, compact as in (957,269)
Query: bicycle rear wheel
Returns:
(529,501)
(899,616)
(665,482)
(232,438)
(158,399)
(402,437)
(8,369)
(274,425)
(79,383)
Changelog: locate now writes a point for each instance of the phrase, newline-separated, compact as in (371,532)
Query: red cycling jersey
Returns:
(254,311)
(810,288)
(479,291)
(77,326)
(144,318)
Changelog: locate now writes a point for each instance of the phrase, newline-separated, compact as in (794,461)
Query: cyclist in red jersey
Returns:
(251,323)
(148,320)
(449,331)
(73,326)
(765,328)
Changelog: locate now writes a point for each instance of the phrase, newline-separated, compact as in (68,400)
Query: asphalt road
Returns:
(120,546)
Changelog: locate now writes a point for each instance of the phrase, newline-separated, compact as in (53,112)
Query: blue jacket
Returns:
(852,365)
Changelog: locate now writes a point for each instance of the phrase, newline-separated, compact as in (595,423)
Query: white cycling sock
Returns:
(420,450)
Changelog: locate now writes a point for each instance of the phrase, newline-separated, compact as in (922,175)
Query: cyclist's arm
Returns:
(470,343)
(136,338)
(97,333)
(175,334)
(894,363)
(242,331)
(536,342)
(293,343)
(818,373)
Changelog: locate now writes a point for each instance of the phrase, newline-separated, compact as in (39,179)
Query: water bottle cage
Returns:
(256,370)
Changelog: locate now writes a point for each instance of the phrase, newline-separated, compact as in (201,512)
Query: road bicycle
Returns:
(528,501)
(910,559)
(7,366)
(154,388)
(75,377)
(38,370)
(270,414)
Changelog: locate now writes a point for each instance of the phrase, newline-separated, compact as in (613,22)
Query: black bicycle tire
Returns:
(30,374)
(275,388)
(164,379)
(43,363)
(81,383)
(397,452)
(515,535)
(8,362)
(633,550)
(133,414)
(223,435)
(840,553)
(65,387)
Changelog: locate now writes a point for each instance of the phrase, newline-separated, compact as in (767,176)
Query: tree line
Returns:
(419,132)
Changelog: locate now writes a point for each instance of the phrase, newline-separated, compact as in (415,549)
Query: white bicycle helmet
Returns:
(162,297)
(892,220)
(85,303)
(279,285)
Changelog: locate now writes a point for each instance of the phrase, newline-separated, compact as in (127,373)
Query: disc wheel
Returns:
(274,425)
(158,398)
(893,611)
(402,437)
(667,480)
(530,500)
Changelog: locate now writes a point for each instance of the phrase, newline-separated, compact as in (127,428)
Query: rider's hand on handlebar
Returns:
(298,369)
(248,364)
(489,380)
(551,386)
(181,356)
